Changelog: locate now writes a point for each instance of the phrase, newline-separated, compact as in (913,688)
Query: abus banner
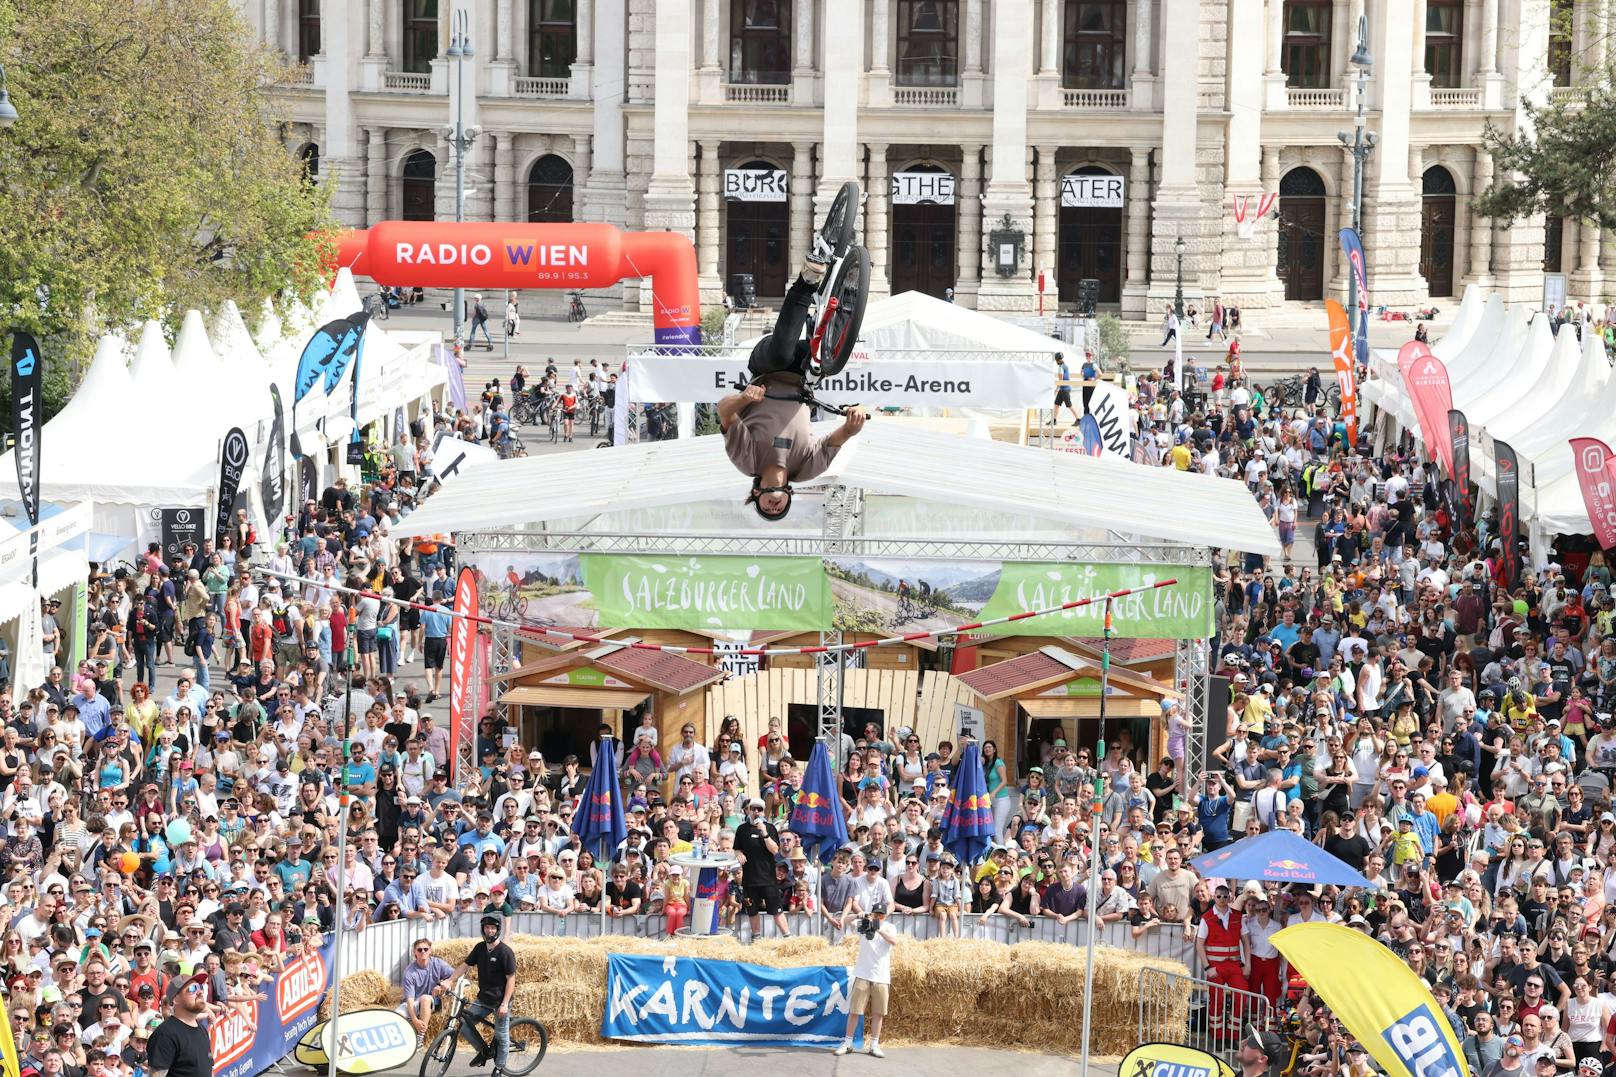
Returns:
(232,462)
(807,594)
(910,380)
(1596,475)
(462,661)
(687,1000)
(251,1037)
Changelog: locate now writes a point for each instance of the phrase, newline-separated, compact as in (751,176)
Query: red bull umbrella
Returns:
(1279,856)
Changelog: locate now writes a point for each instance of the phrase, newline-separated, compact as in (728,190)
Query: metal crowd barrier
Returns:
(384,948)
(1214,1030)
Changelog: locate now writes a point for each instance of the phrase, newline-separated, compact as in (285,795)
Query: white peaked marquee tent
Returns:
(144,430)
(1518,384)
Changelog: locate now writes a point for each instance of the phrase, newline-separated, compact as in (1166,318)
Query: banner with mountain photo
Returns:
(867,595)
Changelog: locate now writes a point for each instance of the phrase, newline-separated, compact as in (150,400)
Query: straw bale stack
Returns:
(361,990)
(966,991)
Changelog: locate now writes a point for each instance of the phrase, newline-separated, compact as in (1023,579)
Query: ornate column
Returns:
(272,27)
(709,34)
(586,33)
(582,164)
(376,32)
(1492,80)
(973,83)
(970,220)
(505,200)
(504,32)
(1274,38)
(840,158)
(1050,40)
(878,190)
(670,195)
(1045,208)
(1481,228)
(1008,193)
(1421,87)
(880,77)
(707,205)
(1139,219)
(802,46)
(802,201)
(1143,81)
(376,175)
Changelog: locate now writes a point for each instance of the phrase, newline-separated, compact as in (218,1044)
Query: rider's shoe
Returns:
(481,1058)
(822,253)
(813,270)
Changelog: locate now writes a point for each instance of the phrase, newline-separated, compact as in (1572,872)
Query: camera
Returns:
(866,926)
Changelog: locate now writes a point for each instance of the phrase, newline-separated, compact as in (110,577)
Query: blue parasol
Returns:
(1279,856)
(597,822)
(968,822)
(817,817)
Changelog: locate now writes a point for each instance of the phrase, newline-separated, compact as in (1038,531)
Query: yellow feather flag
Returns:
(8,1051)
(1377,997)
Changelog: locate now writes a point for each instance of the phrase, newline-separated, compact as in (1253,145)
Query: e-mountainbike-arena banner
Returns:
(692,1000)
(251,1037)
(806,594)
(907,379)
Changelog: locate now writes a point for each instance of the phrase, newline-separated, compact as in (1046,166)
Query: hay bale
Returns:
(965,991)
(361,990)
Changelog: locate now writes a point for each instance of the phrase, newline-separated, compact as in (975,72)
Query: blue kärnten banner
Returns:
(720,1003)
(253,1036)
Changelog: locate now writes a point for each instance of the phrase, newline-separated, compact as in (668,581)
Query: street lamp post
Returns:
(461,138)
(1361,143)
(1178,287)
(8,111)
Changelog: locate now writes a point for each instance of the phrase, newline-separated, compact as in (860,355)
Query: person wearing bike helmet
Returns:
(495,964)
(1519,707)
(765,426)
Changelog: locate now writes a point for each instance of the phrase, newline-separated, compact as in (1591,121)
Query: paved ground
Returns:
(754,1061)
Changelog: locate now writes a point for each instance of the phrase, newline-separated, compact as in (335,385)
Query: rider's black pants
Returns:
(785,349)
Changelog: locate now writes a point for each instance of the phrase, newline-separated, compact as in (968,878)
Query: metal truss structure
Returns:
(1191,669)
(840,536)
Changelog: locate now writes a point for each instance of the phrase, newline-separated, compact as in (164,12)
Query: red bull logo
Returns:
(710,885)
(1294,869)
(300,986)
(232,1035)
(810,799)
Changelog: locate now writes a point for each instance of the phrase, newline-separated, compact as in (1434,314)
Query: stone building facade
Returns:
(1000,141)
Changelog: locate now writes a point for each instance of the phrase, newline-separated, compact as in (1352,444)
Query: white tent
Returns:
(919,321)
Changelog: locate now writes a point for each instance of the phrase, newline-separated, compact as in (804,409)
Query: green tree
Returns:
(1565,167)
(144,176)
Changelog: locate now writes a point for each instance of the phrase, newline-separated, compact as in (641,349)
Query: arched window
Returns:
(1444,42)
(1553,242)
(1306,55)
(308,30)
(549,190)
(1095,44)
(309,156)
(420,35)
(1300,259)
(1438,215)
(760,41)
(552,38)
(928,43)
(1561,30)
(420,187)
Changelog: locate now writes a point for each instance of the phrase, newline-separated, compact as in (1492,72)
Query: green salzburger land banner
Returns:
(806,594)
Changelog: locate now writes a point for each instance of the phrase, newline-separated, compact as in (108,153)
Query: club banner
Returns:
(251,1037)
(232,462)
(1507,470)
(1459,434)
(462,662)
(1352,247)
(906,379)
(1426,379)
(689,1000)
(805,594)
(1341,358)
(272,484)
(450,454)
(1596,475)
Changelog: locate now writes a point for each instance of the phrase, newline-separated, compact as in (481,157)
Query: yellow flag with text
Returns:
(1377,996)
(8,1051)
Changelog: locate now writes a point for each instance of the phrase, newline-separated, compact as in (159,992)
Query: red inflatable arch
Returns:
(496,256)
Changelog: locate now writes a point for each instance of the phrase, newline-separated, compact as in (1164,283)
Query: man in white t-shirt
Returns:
(872,977)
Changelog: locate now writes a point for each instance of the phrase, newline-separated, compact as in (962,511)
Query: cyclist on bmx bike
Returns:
(765,425)
(495,963)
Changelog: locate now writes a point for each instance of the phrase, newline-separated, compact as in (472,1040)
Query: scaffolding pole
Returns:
(1191,671)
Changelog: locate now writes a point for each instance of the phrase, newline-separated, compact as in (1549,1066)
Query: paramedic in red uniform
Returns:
(1222,953)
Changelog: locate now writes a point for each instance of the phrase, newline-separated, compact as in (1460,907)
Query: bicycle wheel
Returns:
(841,218)
(529,1041)
(840,329)
(439,1054)
(522,412)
